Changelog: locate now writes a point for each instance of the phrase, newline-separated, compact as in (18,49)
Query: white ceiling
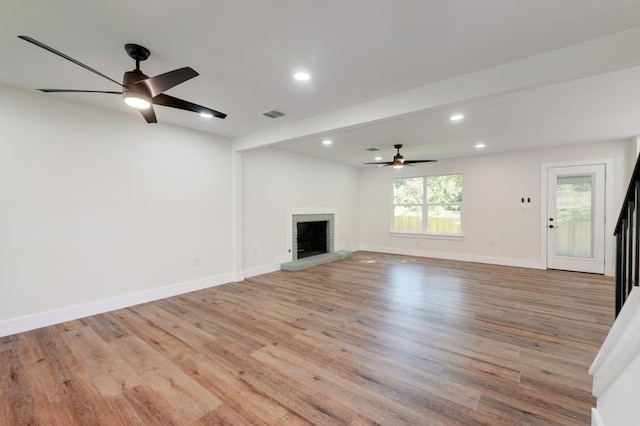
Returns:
(527,73)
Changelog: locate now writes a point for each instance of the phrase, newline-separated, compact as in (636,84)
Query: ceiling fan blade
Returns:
(166,81)
(76,91)
(170,101)
(382,163)
(418,161)
(68,58)
(149,115)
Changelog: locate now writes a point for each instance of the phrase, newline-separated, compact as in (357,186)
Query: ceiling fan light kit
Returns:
(137,102)
(139,90)
(399,161)
(136,96)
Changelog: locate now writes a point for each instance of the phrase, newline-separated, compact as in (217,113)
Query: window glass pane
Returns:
(442,204)
(574,206)
(444,219)
(408,191)
(407,218)
(444,189)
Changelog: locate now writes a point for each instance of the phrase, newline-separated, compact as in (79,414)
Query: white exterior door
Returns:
(576,218)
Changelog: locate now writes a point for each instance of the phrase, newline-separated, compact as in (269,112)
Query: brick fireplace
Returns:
(312,234)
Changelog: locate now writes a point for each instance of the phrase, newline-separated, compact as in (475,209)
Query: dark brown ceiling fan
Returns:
(139,90)
(399,161)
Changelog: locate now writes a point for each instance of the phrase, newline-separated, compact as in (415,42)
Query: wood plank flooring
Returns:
(373,339)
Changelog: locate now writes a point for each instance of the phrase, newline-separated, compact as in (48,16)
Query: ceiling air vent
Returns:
(274,113)
(372,149)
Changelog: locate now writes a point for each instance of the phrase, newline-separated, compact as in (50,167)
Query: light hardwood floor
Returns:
(374,339)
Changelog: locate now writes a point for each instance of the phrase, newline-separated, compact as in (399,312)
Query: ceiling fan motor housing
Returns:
(398,159)
(130,88)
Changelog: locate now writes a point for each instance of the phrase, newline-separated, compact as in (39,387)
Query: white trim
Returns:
(503,261)
(608,202)
(620,347)
(270,267)
(261,269)
(237,216)
(57,316)
(596,420)
(430,236)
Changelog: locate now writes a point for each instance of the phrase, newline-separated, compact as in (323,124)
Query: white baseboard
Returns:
(237,276)
(262,269)
(503,261)
(596,420)
(56,316)
(269,267)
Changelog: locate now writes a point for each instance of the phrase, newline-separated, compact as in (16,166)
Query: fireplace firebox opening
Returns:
(312,238)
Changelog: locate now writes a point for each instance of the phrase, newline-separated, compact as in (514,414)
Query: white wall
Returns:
(275,181)
(496,228)
(99,209)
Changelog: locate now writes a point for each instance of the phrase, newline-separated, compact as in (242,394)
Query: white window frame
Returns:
(425,210)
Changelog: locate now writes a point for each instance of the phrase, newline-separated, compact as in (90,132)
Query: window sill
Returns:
(431,236)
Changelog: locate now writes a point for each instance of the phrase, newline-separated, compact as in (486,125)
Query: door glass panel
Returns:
(574,216)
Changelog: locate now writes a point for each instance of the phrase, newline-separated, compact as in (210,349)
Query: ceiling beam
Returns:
(610,53)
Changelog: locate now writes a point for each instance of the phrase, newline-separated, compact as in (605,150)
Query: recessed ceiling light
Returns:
(480,145)
(378,158)
(302,76)
(206,115)
(456,117)
(327,142)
